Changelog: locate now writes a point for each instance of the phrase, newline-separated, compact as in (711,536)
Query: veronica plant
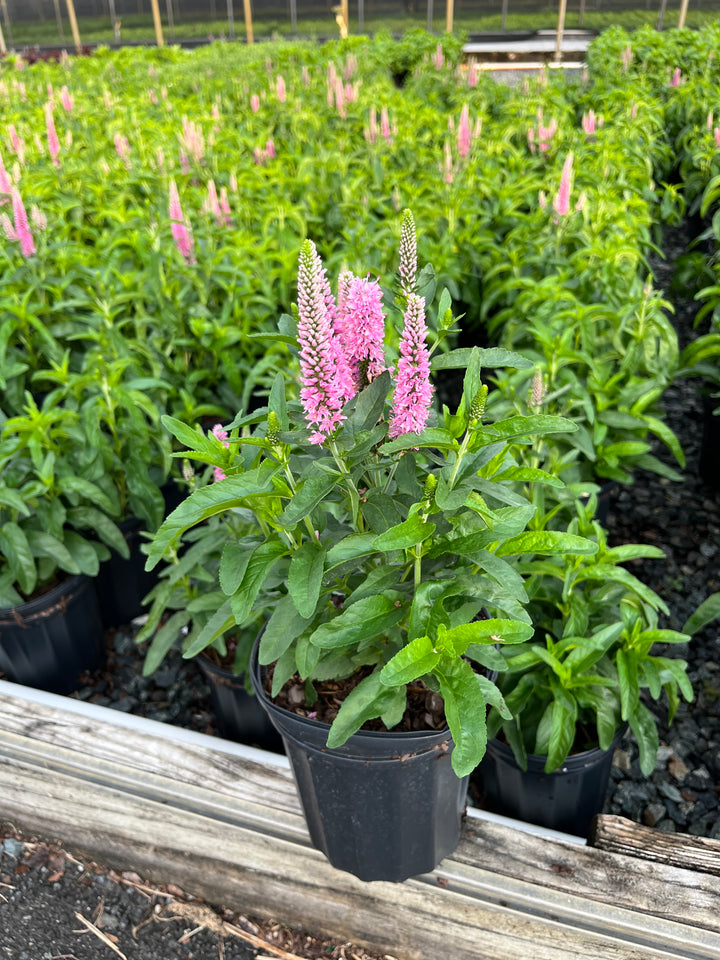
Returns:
(388,525)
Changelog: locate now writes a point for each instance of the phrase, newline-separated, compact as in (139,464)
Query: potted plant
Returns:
(55,529)
(120,408)
(389,526)
(578,683)
(185,597)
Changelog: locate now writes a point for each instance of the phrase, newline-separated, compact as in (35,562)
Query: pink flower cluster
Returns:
(371,131)
(222,436)
(182,234)
(19,229)
(561,201)
(192,140)
(542,135)
(341,347)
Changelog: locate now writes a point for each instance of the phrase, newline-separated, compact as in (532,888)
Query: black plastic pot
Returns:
(121,583)
(565,800)
(239,715)
(384,806)
(48,641)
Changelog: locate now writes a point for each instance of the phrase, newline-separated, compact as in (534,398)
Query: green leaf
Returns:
(88,518)
(404,535)
(220,622)
(282,629)
(366,619)
(164,640)
(708,610)
(351,548)
(642,724)
(207,502)
(488,631)
(313,491)
(264,557)
(370,403)
(233,564)
(15,547)
(276,401)
(45,545)
(633,551)
(87,490)
(369,699)
(11,498)
(431,437)
(535,426)
(530,475)
(608,571)
(547,542)
(626,662)
(305,577)
(414,660)
(562,731)
(489,357)
(465,712)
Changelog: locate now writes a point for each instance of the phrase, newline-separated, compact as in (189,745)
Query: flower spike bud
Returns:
(22,228)
(429,489)
(220,435)
(273,429)
(52,137)
(477,407)
(537,390)
(408,254)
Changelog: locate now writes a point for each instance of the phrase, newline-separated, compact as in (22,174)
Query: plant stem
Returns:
(350,485)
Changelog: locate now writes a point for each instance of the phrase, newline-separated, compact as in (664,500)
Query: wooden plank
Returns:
(216,819)
(620,835)
(73,25)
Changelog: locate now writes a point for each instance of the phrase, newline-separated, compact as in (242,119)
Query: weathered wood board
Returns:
(224,822)
(678,849)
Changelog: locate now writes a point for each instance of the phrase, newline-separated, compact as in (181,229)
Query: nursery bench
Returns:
(223,821)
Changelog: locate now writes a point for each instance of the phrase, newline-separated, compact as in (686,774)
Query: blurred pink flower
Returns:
(22,229)
(561,201)
(181,232)
(66,100)
(52,137)
(222,436)
(254,103)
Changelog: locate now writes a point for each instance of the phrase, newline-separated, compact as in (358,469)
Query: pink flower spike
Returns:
(717,135)
(385,124)
(413,392)
(254,103)
(52,137)
(372,130)
(676,77)
(439,57)
(464,136)
(270,149)
(122,148)
(220,435)
(212,203)
(8,228)
(38,219)
(27,244)
(180,231)
(5,184)
(280,89)
(320,392)
(447,167)
(364,324)
(589,123)
(561,201)
(225,206)
(66,100)
(472,75)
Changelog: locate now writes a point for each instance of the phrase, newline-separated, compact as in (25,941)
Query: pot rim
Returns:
(571,764)
(31,609)
(427,736)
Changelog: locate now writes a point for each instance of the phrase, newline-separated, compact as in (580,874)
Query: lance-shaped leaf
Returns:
(465,712)
(364,620)
(205,503)
(547,542)
(369,699)
(312,492)
(263,559)
(404,535)
(305,577)
(414,660)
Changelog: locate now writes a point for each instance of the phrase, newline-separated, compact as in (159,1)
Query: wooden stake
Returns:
(171,19)
(581,13)
(58,17)
(293,17)
(449,16)
(345,14)
(560,29)
(503,21)
(158,23)
(683,14)
(8,28)
(248,22)
(661,15)
(3,48)
(73,25)
(231,19)
(430,16)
